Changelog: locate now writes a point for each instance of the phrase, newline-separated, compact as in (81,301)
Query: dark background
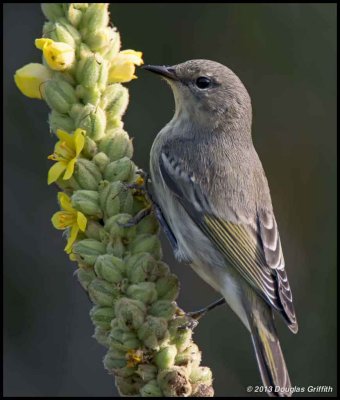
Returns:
(286,56)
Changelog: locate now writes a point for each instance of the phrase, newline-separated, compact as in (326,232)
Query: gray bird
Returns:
(210,186)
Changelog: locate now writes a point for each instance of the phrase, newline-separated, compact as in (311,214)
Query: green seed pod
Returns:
(202,375)
(151,389)
(92,119)
(87,201)
(166,357)
(164,309)
(52,11)
(89,250)
(109,268)
(141,267)
(102,336)
(144,243)
(116,145)
(120,170)
(59,95)
(115,100)
(87,174)
(181,337)
(143,291)
(60,121)
(109,197)
(102,316)
(129,386)
(114,226)
(96,231)
(189,358)
(73,14)
(114,359)
(129,313)
(103,293)
(147,372)
(149,225)
(123,340)
(101,160)
(167,287)
(85,276)
(202,390)
(95,17)
(174,382)
(153,333)
(90,148)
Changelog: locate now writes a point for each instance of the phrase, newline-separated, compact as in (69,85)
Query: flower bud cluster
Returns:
(150,350)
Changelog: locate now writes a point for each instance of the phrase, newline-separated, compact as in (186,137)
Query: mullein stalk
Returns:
(150,350)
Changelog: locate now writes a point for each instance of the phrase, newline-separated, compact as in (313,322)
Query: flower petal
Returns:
(121,73)
(65,202)
(55,171)
(65,137)
(79,140)
(69,169)
(57,220)
(81,221)
(30,78)
(133,56)
(72,238)
(42,42)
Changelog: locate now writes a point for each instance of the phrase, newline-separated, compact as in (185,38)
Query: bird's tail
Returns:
(268,351)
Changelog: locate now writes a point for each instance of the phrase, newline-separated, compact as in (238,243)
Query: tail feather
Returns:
(269,355)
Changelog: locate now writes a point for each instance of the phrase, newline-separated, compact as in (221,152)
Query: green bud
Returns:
(143,291)
(109,197)
(120,170)
(202,375)
(129,313)
(167,287)
(52,11)
(124,372)
(102,293)
(87,174)
(116,145)
(154,332)
(101,160)
(114,359)
(60,121)
(126,202)
(90,147)
(89,250)
(123,340)
(85,276)
(59,95)
(96,17)
(64,35)
(181,337)
(165,358)
(115,247)
(92,119)
(202,390)
(88,71)
(74,15)
(151,389)
(174,382)
(96,231)
(109,268)
(87,201)
(112,48)
(114,226)
(102,336)
(141,267)
(144,243)
(73,32)
(113,122)
(147,372)
(102,316)
(129,386)
(164,309)
(148,224)
(115,100)
(189,358)
(100,39)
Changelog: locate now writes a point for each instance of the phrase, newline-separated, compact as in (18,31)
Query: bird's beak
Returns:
(167,72)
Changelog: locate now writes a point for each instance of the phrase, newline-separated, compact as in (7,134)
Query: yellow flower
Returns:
(66,152)
(29,79)
(58,55)
(123,66)
(69,218)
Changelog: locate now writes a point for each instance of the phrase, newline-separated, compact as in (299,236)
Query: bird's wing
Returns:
(255,252)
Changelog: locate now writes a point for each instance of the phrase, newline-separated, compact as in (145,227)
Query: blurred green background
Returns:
(286,56)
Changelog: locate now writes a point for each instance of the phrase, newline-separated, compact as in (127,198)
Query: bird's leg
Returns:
(195,316)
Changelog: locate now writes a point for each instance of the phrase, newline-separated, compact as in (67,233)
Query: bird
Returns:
(214,199)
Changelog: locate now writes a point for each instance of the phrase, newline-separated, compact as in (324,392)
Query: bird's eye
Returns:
(203,82)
